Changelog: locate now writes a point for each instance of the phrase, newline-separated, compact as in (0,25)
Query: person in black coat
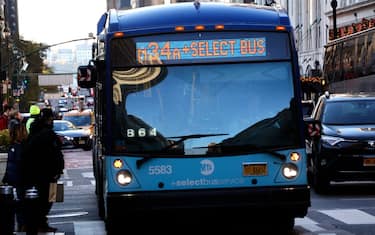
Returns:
(15,165)
(45,163)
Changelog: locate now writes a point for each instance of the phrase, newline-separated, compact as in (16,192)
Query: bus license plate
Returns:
(368,161)
(254,169)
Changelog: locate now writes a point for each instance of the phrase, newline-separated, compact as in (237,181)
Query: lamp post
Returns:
(2,74)
(5,80)
(4,34)
(334,6)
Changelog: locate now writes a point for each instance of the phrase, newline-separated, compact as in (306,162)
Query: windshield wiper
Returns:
(186,137)
(248,147)
(181,138)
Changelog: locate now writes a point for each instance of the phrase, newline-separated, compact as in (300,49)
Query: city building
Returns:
(11,16)
(8,51)
(314,28)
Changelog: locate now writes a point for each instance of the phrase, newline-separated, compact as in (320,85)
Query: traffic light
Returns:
(26,81)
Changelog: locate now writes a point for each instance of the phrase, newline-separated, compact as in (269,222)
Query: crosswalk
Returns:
(84,178)
(335,216)
(318,221)
(303,226)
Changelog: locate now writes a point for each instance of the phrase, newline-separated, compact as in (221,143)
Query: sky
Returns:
(56,21)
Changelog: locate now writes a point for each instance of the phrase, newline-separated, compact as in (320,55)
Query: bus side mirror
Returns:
(86,76)
(313,128)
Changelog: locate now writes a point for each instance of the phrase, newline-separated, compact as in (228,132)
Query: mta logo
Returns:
(207,167)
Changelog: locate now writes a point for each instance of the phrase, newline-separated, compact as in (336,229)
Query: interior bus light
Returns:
(294,156)
(118,35)
(280,28)
(199,27)
(219,27)
(179,28)
(118,163)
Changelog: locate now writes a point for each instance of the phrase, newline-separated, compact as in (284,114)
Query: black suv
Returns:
(343,149)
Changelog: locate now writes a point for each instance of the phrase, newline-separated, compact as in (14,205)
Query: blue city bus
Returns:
(197,107)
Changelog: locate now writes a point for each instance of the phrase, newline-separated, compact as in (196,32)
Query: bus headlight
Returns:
(289,170)
(124,177)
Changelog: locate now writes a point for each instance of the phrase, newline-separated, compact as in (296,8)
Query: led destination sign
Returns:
(156,52)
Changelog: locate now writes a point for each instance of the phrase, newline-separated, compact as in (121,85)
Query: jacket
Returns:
(14,169)
(43,157)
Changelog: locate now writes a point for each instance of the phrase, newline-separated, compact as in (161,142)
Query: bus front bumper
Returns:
(293,201)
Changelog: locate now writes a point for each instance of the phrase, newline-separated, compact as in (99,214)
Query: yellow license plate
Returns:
(254,169)
(368,161)
(81,142)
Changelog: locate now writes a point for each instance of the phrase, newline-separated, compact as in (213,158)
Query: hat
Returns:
(46,113)
(34,110)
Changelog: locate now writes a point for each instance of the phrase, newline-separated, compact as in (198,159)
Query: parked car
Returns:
(344,148)
(72,136)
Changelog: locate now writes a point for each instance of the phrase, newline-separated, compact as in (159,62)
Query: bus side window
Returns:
(360,59)
(371,56)
(348,59)
(337,65)
(328,64)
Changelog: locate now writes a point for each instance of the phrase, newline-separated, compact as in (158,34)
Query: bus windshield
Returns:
(205,108)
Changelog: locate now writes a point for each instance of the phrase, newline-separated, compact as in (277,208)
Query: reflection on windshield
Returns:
(79,120)
(250,103)
(63,126)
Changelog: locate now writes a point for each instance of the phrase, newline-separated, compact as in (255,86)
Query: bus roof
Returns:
(161,18)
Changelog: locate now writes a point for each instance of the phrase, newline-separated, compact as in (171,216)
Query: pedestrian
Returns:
(15,165)
(4,117)
(15,117)
(45,164)
(34,114)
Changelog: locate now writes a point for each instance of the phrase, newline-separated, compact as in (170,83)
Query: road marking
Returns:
(67,209)
(65,174)
(357,199)
(88,174)
(350,216)
(308,224)
(93,182)
(89,227)
(69,183)
(68,214)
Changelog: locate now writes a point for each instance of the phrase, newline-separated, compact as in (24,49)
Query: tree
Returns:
(34,54)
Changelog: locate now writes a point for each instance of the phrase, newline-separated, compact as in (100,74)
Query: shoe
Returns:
(47,229)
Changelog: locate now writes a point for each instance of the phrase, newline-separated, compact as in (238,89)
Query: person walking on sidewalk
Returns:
(34,114)
(15,164)
(45,164)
